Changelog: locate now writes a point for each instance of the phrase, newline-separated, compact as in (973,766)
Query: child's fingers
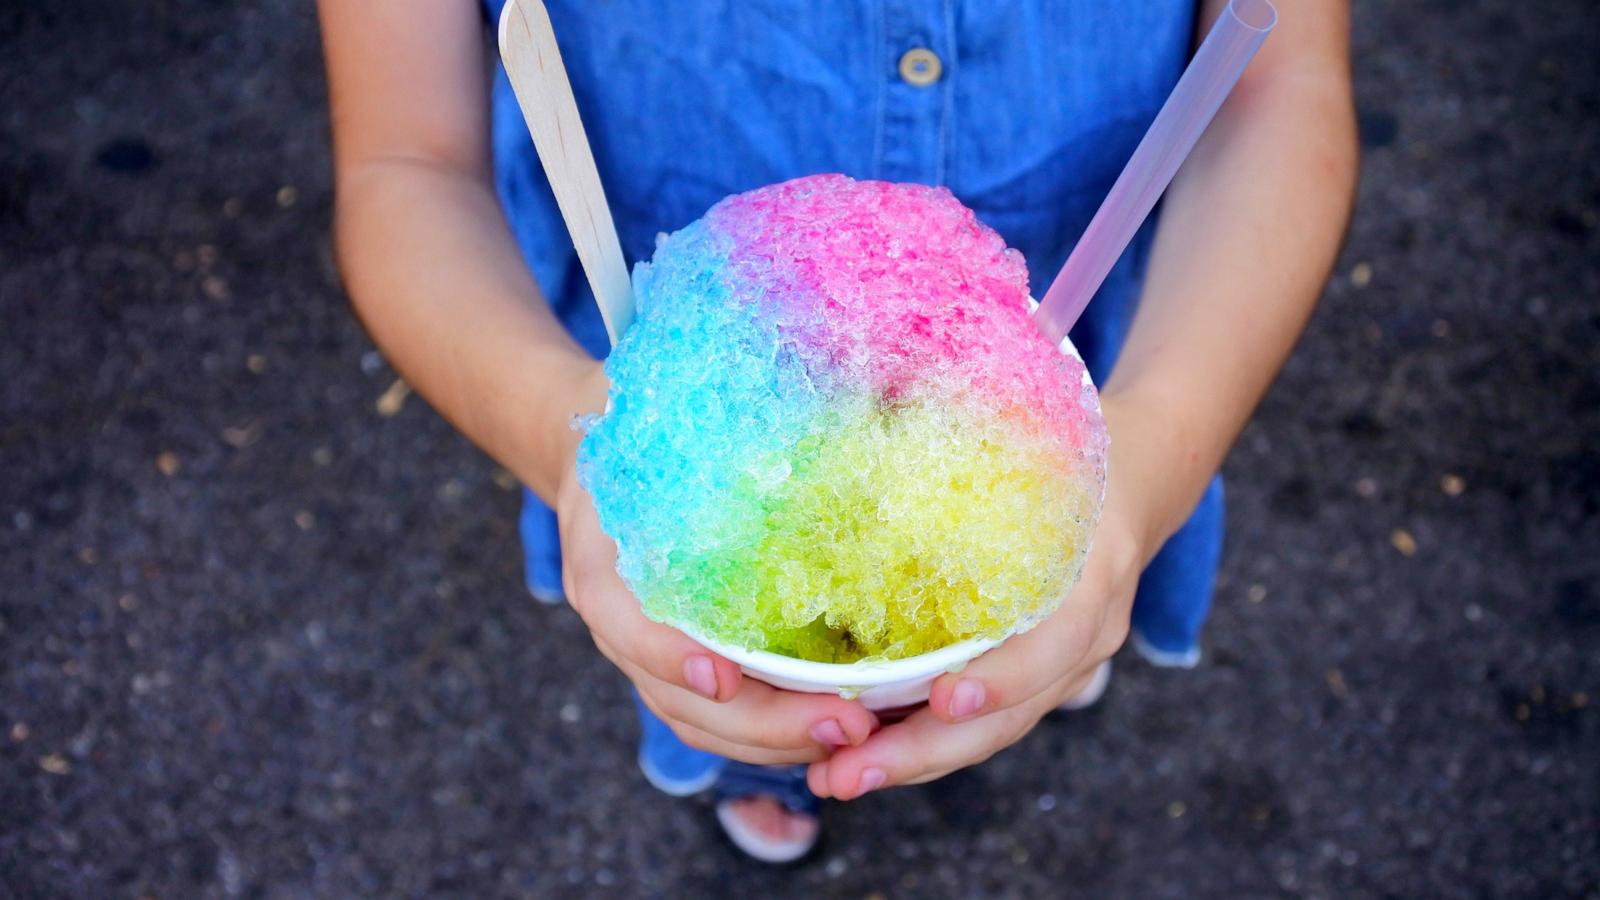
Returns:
(711,743)
(1022,667)
(612,613)
(762,716)
(665,653)
(918,749)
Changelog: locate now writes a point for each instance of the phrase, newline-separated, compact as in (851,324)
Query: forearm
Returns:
(1248,233)
(441,286)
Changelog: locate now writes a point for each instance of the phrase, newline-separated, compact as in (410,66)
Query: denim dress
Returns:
(1026,110)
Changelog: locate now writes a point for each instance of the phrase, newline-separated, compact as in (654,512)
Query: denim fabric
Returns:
(1038,106)
(1175,590)
(670,764)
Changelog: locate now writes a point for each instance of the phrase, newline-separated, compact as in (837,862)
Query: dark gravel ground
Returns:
(259,638)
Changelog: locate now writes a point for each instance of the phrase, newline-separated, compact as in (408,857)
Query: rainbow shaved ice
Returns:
(835,434)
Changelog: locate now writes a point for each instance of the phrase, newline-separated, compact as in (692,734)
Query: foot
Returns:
(1163,658)
(547,597)
(767,830)
(679,777)
(1092,692)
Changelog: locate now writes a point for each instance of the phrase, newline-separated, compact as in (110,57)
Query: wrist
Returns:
(551,441)
(584,393)
(1155,470)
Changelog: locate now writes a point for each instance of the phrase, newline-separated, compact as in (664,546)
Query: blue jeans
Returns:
(1168,612)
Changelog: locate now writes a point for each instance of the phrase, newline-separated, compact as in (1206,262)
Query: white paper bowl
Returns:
(878,685)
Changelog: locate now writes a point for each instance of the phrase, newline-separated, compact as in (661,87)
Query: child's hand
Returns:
(1002,695)
(699,694)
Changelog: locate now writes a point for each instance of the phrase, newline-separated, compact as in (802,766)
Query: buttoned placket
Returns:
(918,71)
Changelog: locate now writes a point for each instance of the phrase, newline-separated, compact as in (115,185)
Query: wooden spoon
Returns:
(539,79)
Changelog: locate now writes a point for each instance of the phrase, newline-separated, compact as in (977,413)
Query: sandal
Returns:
(784,784)
(1092,692)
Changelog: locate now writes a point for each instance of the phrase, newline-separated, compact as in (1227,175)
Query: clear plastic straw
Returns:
(1212,73)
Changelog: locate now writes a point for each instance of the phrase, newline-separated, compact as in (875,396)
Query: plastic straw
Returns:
(1212,73)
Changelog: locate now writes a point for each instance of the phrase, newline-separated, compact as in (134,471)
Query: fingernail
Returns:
(872,779)
(829,732)
(701,675)
(967,698)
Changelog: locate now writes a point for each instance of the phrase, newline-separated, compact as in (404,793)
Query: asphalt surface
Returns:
(262,632)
